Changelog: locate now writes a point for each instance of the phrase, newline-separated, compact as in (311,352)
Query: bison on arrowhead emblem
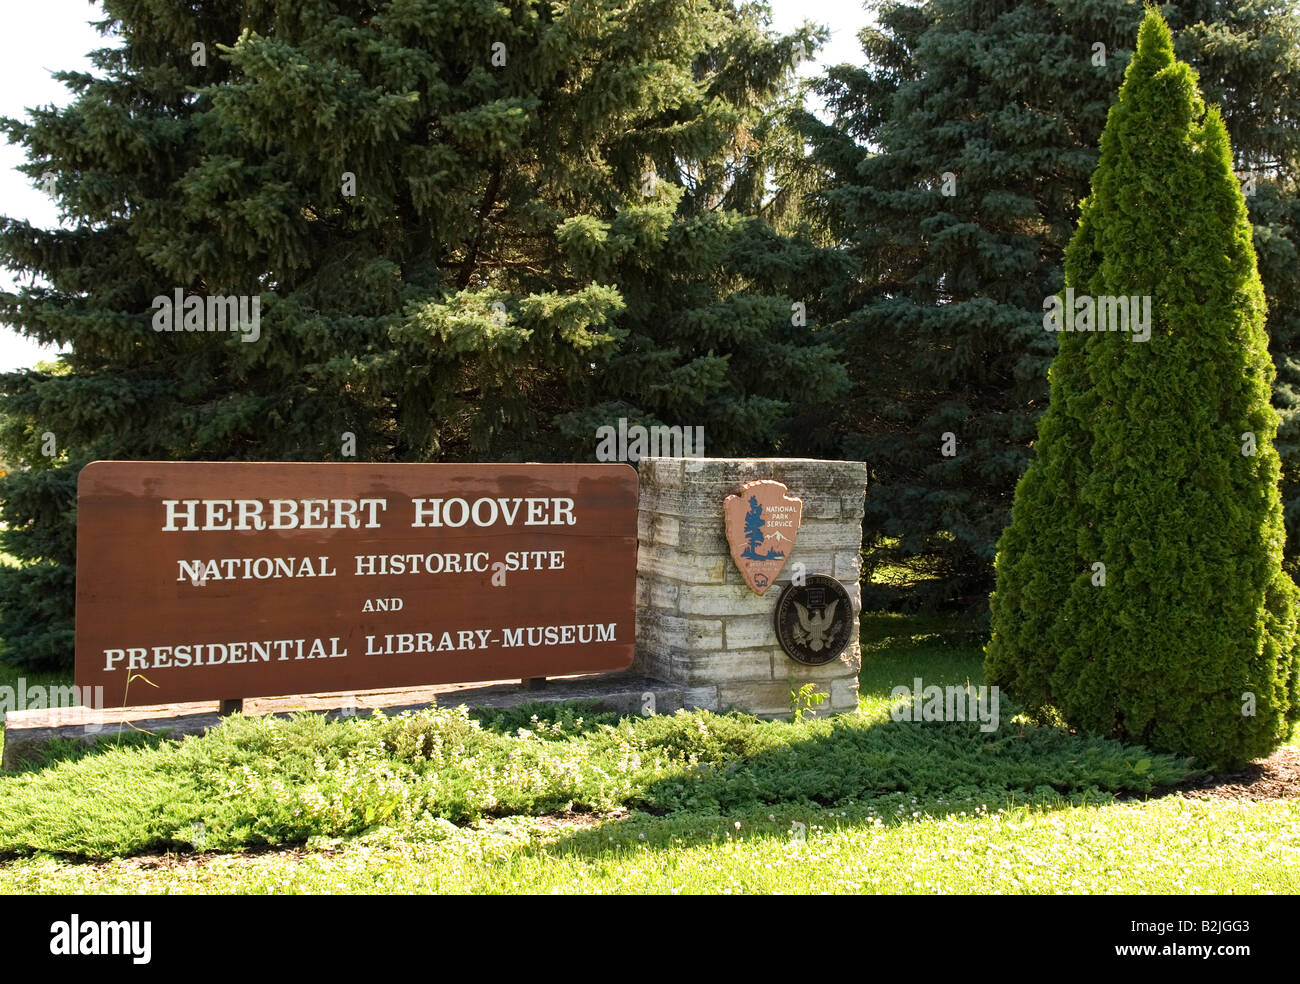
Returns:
(762,522)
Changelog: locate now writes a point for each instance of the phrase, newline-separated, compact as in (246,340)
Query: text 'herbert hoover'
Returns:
(189,515)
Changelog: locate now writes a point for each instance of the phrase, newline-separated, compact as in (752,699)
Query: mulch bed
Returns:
(1276,777)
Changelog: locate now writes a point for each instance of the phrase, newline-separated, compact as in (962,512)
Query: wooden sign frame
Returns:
(222,580)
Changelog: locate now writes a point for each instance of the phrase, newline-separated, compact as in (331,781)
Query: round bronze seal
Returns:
(813,620)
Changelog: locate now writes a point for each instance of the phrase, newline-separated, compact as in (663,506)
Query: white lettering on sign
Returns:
(215,653)
(200,570)
(457,512)
(260,568)
(195,515)
(254,651)
(551,635)
(183,515)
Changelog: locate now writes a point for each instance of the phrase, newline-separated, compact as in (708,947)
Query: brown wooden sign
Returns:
(214,580)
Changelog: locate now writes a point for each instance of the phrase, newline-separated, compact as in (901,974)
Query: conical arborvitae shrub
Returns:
(1139,586)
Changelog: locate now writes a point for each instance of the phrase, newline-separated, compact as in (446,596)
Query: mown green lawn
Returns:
(578,802)
(1167,846)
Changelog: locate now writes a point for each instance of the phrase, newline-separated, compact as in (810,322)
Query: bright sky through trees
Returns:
(55,35)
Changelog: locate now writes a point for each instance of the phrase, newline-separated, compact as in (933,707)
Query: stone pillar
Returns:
(698,623)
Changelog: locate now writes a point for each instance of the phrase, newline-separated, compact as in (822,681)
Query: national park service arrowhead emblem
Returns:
(762,522)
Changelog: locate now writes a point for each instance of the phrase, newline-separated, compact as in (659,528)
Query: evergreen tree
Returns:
(1140,587)
(1007,98)
(443,210)
(754,523)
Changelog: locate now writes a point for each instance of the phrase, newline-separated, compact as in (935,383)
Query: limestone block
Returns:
(663,594)
(704,698)
(814,561)
(844,694)
(672,564)
(848,663)
(748,631)
(693,669)
(664,473)
(829,535)
(769,699)
(667,530)
(848,566)
(673,631)
(722,599)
